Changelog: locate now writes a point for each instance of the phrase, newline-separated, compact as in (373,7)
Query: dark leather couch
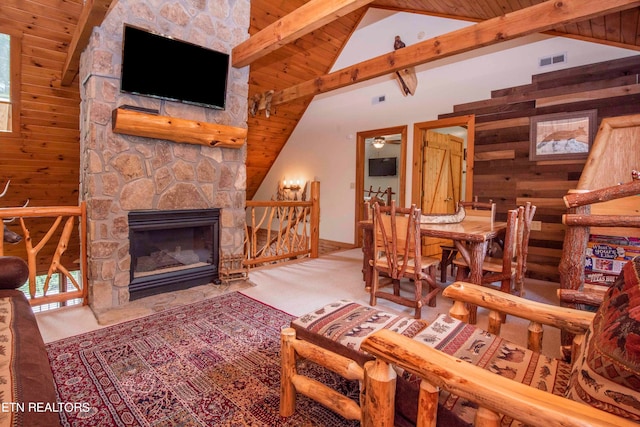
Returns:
(28,391)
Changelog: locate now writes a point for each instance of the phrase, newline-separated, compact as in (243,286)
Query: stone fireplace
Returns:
(124,177)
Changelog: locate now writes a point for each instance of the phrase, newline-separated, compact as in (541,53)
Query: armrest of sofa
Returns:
(493,393)
(573,321)
(568,319)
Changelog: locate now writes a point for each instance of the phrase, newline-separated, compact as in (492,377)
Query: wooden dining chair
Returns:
(397,254)
(475,209)
(511,269)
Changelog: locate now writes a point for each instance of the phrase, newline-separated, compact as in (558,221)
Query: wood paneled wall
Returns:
(42,160)
(503,171)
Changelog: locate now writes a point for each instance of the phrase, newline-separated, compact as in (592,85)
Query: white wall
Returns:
(323,145)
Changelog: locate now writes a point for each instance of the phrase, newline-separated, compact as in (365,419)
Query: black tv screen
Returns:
(384,166)
(166,68)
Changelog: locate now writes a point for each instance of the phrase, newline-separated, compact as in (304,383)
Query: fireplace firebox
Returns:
(173,250)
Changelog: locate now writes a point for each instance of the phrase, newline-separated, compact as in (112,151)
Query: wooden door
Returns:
(442,157)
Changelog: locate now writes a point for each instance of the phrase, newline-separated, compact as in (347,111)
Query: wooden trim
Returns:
(302,21)
(467,121)
(135,123)
(360,158)
(534,19)
(92,15)
(16,83)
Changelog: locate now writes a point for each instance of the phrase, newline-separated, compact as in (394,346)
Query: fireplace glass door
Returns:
(172,250)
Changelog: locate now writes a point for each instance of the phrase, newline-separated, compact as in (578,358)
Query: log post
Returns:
(288,371)
(487,418)
(576,347)
(459,311)
(427,405)
(379,394)
(475,274)
(534,337)
(315,219)
(571,267)
(495,322)
(83,247)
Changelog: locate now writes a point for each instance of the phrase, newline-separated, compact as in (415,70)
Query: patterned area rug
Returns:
(212,363)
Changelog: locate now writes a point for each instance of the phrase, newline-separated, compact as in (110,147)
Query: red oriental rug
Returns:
(213,363)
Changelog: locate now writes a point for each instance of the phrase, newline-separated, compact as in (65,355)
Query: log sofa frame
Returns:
(493,394)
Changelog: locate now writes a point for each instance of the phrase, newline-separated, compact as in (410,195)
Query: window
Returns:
(9,83)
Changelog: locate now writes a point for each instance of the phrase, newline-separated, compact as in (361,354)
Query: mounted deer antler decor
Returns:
(261,101)
(8,235)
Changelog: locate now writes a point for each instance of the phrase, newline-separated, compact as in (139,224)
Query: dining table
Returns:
(471,236)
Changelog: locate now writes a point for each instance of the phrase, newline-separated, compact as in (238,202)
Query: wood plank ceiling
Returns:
(55,31)
(311,56)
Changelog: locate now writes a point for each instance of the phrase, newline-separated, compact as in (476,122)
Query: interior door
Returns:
(442,178)
(442,157)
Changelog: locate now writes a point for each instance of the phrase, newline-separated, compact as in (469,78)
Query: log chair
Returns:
(601,389)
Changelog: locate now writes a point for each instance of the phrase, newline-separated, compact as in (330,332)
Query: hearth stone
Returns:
(173,250)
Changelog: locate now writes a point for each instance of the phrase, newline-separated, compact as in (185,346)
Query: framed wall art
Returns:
(562,136)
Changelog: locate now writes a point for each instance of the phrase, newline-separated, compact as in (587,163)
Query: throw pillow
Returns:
(606,374)
(13,272)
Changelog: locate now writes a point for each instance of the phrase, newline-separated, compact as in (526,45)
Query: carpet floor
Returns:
(211,363)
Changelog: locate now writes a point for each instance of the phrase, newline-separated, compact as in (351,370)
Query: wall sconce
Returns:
(291,190)
(378,142)
(291,185)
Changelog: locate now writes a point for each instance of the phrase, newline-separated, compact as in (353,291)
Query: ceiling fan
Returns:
(380,141)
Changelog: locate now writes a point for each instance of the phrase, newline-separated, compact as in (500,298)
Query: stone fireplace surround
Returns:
(121,173)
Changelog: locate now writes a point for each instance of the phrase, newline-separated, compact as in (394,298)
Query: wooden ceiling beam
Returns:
(534,19)
(93,13)
(302,21)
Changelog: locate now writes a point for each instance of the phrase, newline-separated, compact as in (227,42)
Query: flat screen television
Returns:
(162,67)
(383,166)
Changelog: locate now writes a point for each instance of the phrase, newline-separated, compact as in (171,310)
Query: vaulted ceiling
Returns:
(300,69)
(294,43)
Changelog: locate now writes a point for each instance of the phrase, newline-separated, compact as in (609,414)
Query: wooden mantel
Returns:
(130,122)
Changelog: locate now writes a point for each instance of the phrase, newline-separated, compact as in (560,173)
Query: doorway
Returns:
(442,172)
(380,166)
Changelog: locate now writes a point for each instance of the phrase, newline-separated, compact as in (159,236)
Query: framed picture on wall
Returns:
(562,136)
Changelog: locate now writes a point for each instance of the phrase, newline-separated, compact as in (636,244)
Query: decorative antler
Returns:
(8,235)
(6,187)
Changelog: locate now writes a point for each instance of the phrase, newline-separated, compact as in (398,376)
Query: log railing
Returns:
(579,221)
(281,230)
(74,218)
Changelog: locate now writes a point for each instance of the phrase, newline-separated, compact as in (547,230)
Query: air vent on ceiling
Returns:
(378,99)
(559,58)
